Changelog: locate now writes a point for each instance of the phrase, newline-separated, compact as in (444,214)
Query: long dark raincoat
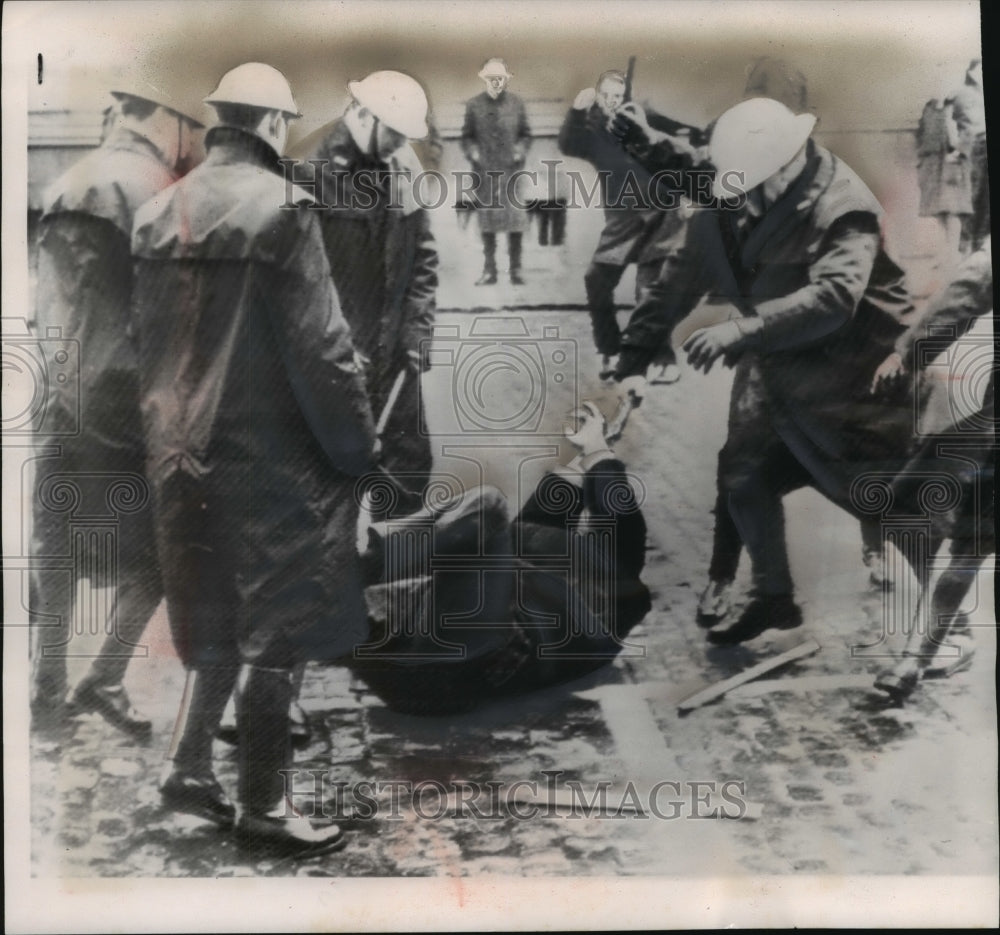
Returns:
(255,414)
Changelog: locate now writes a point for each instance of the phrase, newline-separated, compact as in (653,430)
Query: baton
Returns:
(397,388)
(629,74)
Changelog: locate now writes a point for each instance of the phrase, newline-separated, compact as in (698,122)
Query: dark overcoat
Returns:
(384,262)
(83,315)
(831,303)
(255,414)
(495,139)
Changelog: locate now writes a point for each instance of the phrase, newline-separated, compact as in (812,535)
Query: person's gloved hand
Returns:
(630,124)
(889,374)
(707,345)
(585,99)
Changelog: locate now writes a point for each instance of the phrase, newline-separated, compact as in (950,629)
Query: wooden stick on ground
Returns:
(720,688)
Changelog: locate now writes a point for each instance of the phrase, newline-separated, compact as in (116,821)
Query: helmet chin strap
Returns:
(373,142)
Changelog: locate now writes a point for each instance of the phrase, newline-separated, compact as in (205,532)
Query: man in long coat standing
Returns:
(257,424)
(495,139)
(85,290)
(817,305)
(382,256)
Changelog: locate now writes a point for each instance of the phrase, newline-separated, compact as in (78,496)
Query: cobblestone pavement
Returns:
(833,782)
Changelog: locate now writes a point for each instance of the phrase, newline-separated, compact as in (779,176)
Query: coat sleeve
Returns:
(968,296)
(523,143)
(575,134)
(470,135)
(678,289)
(420,298)
(838,278)
(314,341)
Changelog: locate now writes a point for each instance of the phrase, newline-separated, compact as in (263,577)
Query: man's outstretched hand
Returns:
(707,345)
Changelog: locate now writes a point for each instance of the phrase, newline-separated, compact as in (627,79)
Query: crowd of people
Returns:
(250,352)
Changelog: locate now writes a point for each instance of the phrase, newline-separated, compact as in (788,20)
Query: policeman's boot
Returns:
(268,823)
(514,252)
(489,276)
(191,786)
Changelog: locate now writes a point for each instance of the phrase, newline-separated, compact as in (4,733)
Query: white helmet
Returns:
(752,141)
(396,99)
(158,93)
(255,85)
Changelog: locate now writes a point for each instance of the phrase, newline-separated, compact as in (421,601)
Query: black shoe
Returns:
(266,836)
(112,703)
(516,278)
(487,279)
(762,613)
(897,687)
(198,796)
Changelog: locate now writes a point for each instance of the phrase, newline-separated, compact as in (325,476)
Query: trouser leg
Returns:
(514,243)
(600,281)
(754,483)
(726,543)
(205,701)
(489,253)
(50,602)
(265,750)
(543,225)
(136,598)
(558,224)
(647,274)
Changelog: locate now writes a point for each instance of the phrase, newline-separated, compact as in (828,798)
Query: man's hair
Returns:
(779,80)
(137,107)
(596,413)
(240,116)
(613,74)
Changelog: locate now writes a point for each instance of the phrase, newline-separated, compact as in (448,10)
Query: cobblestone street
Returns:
(831,780)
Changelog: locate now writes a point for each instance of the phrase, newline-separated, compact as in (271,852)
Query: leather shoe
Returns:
(266,835)
(713,604)
(516,278)
(897,686)
(112,703)
(762,613)
(487,279)
(200,796)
